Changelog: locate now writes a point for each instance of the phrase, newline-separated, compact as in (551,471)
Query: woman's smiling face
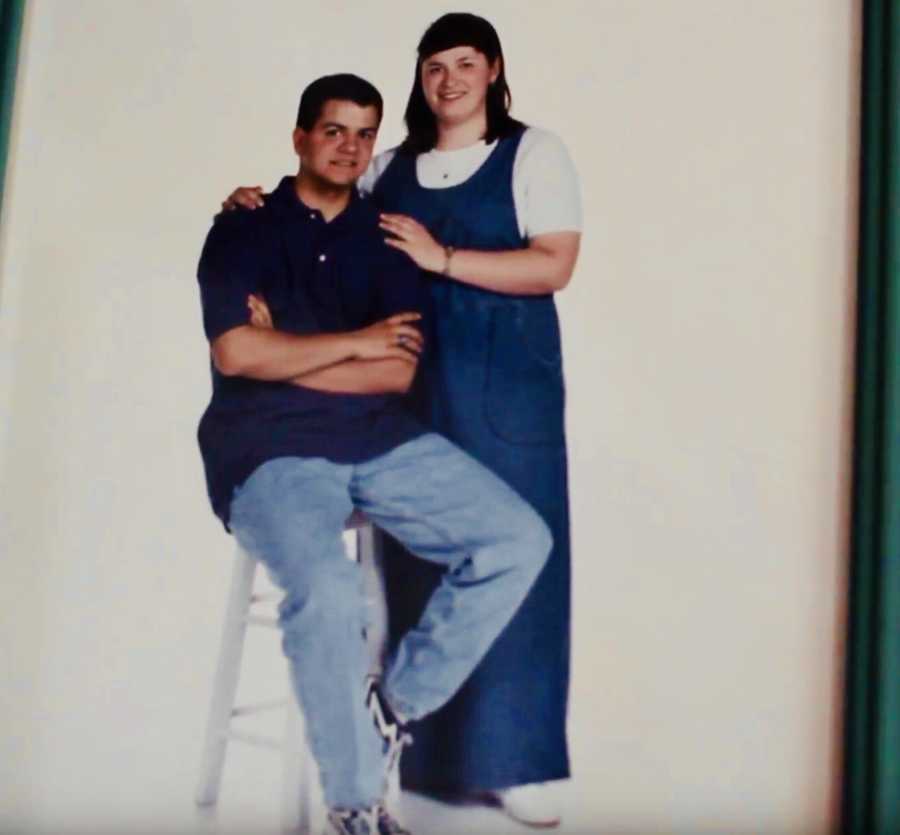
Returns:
(455,83)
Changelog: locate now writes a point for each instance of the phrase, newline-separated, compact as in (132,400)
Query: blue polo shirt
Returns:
(316,277)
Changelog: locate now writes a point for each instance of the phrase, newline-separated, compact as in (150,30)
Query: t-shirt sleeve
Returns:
(545,185)
(229,271)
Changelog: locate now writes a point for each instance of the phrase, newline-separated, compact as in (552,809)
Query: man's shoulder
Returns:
(240,229)
(362,226)
(366,213)
(242,222)
(237,240)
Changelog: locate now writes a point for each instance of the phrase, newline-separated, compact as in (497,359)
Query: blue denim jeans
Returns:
(443,506)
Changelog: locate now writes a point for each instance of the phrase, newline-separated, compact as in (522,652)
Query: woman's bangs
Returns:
(459,29)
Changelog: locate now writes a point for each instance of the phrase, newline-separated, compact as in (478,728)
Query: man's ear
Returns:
(299,137)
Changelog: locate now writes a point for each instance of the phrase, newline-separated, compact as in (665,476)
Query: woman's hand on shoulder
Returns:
(411,237)
(244,197)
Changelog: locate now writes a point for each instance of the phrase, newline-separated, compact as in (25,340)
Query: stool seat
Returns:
(298,767)
(356,520)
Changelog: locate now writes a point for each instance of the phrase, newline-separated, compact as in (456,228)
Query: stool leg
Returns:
(226,679)
(295,808)
(369,554)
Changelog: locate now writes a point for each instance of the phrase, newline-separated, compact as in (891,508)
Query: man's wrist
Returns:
(349,345)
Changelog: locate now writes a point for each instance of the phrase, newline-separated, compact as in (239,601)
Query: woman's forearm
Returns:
(545,266)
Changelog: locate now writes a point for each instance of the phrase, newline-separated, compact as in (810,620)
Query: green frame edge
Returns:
(871,762)
(871,773)
(12,13)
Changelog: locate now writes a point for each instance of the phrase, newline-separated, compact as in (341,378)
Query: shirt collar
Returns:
(286,199)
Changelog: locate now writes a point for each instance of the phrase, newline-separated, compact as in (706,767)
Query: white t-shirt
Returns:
(544,181)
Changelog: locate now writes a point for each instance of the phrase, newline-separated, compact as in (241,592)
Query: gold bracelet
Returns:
(448,253)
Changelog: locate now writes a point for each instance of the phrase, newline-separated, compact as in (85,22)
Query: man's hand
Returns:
(260,315)
(247,197)
(381,358)
(391,338)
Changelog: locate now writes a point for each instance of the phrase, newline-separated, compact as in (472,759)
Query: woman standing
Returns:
(490,209)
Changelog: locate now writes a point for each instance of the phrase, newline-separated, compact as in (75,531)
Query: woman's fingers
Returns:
(400,225)
(397,243)
(394,230)
(402,220)
(413,239)
(249,197)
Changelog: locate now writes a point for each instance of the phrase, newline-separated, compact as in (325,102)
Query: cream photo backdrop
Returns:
(707,336)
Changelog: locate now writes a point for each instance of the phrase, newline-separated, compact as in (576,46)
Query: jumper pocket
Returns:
(524,389)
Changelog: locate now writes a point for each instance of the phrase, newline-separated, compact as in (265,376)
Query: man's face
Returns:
(337,149)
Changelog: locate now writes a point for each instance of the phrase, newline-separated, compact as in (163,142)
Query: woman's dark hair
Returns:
(449,31)
(342,87)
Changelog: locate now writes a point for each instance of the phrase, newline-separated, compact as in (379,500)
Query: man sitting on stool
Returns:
(313,325)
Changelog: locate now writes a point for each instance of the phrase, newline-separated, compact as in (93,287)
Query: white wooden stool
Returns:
(299,768)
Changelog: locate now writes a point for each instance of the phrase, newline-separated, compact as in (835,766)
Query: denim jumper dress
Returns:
(491,381)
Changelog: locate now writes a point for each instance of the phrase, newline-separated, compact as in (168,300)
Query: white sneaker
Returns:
(534,804)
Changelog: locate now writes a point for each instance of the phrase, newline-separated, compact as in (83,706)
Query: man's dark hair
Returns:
(449,31)
(343,87)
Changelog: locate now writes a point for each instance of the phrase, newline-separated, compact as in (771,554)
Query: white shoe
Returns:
(534,804)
